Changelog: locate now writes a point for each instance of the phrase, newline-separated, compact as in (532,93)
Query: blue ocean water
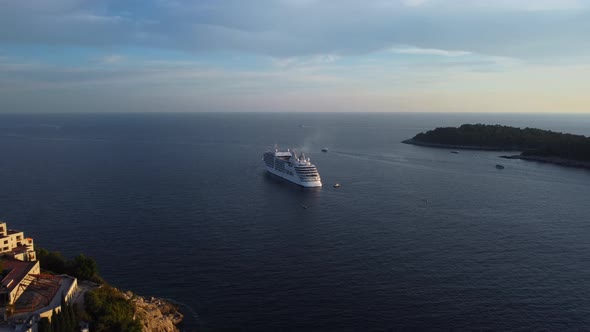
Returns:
(179,206)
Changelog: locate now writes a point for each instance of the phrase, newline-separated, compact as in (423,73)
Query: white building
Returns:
(14,244)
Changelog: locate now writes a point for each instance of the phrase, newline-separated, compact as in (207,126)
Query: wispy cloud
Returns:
(266,52)
(112,59)
(92,18)
(515,5)
(429,51)
(527,5)
(321,59)
(294,28)
(156,85)
(414,3)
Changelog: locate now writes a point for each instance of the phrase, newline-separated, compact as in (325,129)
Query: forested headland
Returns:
(534,144)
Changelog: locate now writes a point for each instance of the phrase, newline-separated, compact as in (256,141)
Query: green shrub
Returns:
(110,311)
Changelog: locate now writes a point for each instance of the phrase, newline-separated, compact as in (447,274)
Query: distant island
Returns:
(534,144)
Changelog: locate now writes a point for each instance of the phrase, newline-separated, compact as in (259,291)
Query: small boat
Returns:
(337,185)
(498,166)
(324,149)
(455,152)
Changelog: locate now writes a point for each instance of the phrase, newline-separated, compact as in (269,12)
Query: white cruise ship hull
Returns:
(289,166)
(294,178)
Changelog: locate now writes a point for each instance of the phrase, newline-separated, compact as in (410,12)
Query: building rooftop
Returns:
(43,290)
(20,249)
(14,271)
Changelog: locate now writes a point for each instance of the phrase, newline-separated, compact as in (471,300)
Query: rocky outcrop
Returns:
(155,314)
(552,160)
(457,146)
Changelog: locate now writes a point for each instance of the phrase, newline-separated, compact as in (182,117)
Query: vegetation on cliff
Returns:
(109,310)
(105,308)
(81,266)
(64,320)
(531,141)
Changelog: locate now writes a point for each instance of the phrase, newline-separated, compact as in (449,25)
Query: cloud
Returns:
(302,62)
(298,2)
(413,3)
(527,5)
(323,52)
(305,84)
(112,59)
(512,5)
(295,28)
(91,18)
(429,51)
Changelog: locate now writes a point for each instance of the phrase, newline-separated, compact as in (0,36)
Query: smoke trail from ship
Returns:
(312,140)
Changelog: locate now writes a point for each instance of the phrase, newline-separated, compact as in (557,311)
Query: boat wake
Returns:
(399,160)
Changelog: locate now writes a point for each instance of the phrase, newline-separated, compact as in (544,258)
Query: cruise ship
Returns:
(289,166)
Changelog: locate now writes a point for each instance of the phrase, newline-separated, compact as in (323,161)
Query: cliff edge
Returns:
(155,314)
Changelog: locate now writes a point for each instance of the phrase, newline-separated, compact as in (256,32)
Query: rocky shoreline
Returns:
(542,159)
(552,160)
(458,147)
(155,314)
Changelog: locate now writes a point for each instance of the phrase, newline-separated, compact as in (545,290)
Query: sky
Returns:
(295,56)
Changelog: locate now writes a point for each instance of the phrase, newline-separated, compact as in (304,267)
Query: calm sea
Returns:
(179,206)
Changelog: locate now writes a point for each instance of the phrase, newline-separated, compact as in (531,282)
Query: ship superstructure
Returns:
(290,166)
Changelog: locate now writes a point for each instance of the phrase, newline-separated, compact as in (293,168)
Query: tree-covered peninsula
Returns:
(535,144)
